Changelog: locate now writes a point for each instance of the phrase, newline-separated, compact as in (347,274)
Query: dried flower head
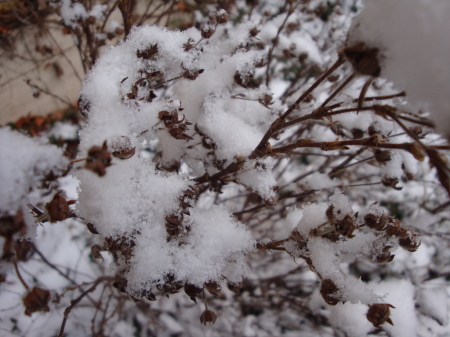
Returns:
(379,313)
(208,316)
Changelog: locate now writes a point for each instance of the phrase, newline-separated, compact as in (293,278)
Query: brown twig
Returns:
(77,300)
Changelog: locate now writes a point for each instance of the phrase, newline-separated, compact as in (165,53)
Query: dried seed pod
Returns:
(235,287)
(221,16)
(357,133)
(148,53)
(394,229)
(410,243)
(382,156)
(98,159)
(383,256)
(346,226)
(58,208)
(213,288)
(379,313)
(373,130)
(254,31)
(122,148)
(330,292)
(148,295)
(24,249)
(36,300)
(391,182)
(208,316)
(376,222)
(192,74)
(207,31)
(192,291)
(364,59)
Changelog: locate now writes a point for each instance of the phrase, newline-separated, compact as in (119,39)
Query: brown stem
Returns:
(341,145)
(74,302)
(278,123)
(19,275)
(275,43)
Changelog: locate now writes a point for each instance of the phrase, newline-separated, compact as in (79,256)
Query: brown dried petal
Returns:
(379,313)
(208,316)
(36,300)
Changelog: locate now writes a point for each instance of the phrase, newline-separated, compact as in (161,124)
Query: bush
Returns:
(250,155)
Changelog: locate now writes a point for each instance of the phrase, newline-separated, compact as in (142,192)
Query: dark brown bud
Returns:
(379,313)
(36,300)
(357,133)
(208,316)
(382,156)
(364,59)
(192,291)
(329,292)
(253,32)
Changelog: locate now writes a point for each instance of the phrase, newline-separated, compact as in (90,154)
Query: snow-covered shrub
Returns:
(262,149)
